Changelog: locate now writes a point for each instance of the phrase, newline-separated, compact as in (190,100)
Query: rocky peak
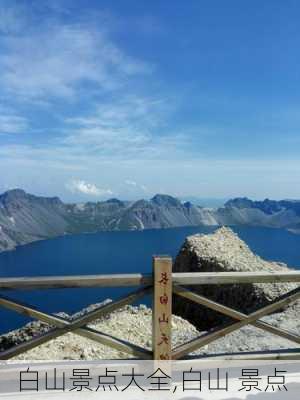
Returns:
(267,206)
(165,200)
(13,194)
(16,195)
(224,251)
(115,201)
(239,202)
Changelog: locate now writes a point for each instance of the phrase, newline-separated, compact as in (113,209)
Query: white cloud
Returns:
(130,183)
(56,60)
(144,188)
(12,124)
(80,61)
(81,186)
(102,112)
(117,132)
(128,128)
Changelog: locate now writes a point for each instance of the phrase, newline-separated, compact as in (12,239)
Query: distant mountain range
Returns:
(26,218)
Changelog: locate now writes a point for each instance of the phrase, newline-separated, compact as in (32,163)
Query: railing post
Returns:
(162,308)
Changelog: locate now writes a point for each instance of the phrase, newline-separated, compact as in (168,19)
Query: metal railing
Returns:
(163,283)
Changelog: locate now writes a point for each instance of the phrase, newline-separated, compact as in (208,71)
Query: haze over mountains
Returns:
(26,218)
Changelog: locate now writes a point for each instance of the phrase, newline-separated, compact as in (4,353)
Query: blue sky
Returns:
(125,99)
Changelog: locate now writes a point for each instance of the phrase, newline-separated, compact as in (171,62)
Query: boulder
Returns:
(224,251)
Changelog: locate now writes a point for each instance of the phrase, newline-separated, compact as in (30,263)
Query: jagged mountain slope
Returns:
(25,218)
(32,215)
(269,213)
(164,211)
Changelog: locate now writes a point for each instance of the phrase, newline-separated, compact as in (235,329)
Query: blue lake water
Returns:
(115,252)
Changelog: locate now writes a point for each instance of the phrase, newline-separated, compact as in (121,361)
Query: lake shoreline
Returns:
(293,231)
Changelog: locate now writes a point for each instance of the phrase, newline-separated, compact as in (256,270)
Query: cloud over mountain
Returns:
(87,188)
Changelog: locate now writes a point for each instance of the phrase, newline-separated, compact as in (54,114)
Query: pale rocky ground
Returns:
(134,324)
(131,323)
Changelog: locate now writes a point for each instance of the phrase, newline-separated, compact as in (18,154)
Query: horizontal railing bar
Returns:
(282,354)
(75,281)
(212,278)
(116,280)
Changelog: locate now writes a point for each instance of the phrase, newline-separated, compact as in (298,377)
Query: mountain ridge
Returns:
(25,217)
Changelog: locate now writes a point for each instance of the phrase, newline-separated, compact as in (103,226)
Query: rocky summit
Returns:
(224,251)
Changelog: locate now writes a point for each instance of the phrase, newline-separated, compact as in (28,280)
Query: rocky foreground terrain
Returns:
(25,218)
(221,251)
(134,324)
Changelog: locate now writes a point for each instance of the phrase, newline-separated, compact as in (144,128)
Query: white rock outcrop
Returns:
(224,251)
